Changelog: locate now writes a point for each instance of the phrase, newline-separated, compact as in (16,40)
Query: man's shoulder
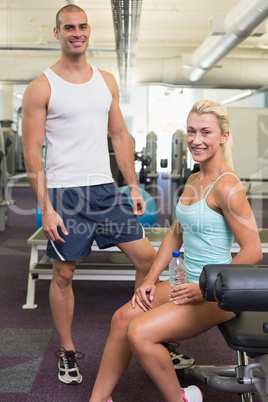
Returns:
(39,81)
(110,81)
(38,89)
(106,75)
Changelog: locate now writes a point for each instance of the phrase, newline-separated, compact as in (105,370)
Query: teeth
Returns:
(198,150)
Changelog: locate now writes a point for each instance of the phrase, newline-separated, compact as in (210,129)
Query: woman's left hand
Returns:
(186,293)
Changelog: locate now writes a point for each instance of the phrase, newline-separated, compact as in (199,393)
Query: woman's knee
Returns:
(121,318)
(137,336)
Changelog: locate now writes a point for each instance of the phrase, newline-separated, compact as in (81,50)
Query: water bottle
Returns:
(176,269)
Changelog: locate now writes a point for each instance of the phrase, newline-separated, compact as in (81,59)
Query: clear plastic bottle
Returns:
(176,268)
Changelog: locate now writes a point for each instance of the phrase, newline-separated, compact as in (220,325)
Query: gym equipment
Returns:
(179,170)
(6,142)
(9,138)
(40,266)
(241,288)
(148,173)
(19,160)
(248,184)
(148,158)
(150,218)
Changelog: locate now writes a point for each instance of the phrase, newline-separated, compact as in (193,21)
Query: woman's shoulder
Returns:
(228,183)
(229,175)
(191,177)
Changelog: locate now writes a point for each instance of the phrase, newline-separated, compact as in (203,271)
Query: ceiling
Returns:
(170,33)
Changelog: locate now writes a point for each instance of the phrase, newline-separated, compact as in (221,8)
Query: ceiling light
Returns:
(237,97)
(19,96)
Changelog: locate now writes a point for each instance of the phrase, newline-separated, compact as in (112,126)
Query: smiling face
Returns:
(204,136)
(73,32)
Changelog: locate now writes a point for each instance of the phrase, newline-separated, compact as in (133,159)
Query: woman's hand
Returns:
(186,293)
(144,295)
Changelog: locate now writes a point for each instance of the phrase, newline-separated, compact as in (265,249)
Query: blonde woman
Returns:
(212,210)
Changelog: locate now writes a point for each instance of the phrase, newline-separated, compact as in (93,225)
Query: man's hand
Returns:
(137,201)
(50,223)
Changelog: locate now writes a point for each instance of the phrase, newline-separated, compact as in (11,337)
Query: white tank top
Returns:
(76,132)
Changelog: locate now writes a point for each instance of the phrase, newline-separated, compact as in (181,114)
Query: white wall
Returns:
(136,115)
(6,102)
(249,127)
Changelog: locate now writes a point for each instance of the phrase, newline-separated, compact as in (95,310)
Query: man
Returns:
(72,105)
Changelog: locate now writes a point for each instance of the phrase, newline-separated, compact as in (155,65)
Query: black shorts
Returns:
(99,213)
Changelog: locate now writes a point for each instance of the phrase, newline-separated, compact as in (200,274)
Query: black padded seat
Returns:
(245,333)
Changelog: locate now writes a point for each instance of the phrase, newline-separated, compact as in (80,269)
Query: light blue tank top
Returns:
(207,236)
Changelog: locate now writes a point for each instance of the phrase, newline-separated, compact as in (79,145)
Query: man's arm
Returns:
(34,110)
(123,146)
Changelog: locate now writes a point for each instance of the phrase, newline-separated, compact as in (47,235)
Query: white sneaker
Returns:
(192,394)
(67,366)
(179,360)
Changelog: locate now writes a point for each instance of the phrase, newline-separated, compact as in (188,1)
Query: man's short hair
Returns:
(70,8)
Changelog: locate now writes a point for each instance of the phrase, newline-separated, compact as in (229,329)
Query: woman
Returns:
(212,210)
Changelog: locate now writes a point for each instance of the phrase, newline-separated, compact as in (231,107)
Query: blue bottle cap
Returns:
(176,253)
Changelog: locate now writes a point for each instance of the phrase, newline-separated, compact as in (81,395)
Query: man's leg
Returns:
(61,299)
(62,306)
(142,255)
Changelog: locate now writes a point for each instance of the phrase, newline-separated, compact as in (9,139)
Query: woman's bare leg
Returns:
(173,323)
(133,330)
(117,353)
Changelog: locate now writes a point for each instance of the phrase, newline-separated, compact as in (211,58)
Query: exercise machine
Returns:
(6,144)
(19,160)
(148,158)
(244,289)
(179,170)
(9,139)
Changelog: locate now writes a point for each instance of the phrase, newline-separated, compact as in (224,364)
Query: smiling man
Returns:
(73,105)
(72,30)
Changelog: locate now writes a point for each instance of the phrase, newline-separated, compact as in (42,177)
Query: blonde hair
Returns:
(207,106)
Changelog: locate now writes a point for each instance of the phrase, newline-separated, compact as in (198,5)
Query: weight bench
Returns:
(236,288)
(40,267)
